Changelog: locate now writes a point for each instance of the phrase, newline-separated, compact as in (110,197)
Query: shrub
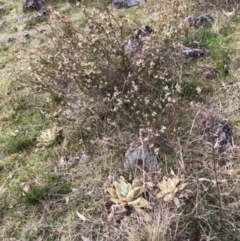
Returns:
(122,89)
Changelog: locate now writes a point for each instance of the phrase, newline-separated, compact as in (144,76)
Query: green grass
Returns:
(36,21)
(35,195)
(18,144)
(215,44)
(4,205)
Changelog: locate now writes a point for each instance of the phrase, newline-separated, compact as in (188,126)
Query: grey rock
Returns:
(21,19)
(74,158)
(134,43)
(92,26)
(27,36)
(39,15)
(138,155)
(32,5)
(143,31)
(4,24)
(219,133)
(127,3)
(194,53)
(11,40)
(2,66)
(132,46)
(199,21)
(208,74)
(2,10)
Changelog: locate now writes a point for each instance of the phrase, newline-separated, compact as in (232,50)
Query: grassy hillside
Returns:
(71,102)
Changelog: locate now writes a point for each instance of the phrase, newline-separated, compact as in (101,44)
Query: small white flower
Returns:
(163,129)
(146,100)
(156,151)
(154,113)
(166,88)
(178,88)
(198,89)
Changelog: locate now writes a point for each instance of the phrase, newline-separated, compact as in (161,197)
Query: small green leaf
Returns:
(168,197)
(160,195)
(140,203)
(236,119)
(171,185)
(122,187)
(116,200)
(134,193)
(182,186)
(112,192)
(163,186)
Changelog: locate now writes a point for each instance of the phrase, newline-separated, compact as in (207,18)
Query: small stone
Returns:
(2,10)
(208,73)
(33,5)
(4,24)
(217,132)
(27,36)
(79,158)
(21,19)
(38,15)
(11,40)
(119,4)
(62,82)
(92,26)
(140,155)
(199,21)
(194,53)
(143,31)
(2,66)
(132,45)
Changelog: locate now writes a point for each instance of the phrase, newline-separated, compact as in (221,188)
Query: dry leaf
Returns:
(168,197)
(85,239)
(172,172)
(204,179)
(116,210)
(213,181)
(182,186)
(110,216)
(112,192)
(140,203)
(177,202)
(160,195)
(149,184)
(220,181)
(116,200)
(163,186)
(137,182)
(134,193)
(175,181)
(67,199)
(146,216)
(171,185)
(82,217)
